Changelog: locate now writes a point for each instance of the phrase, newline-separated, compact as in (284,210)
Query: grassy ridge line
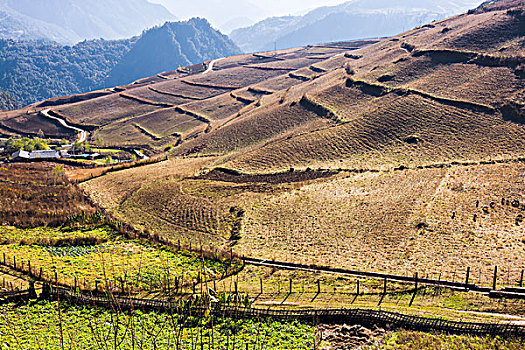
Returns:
(259,90)
(470,57)
(58,101)
(299,77)
(126,166)
(173,94)
(212,86)
(378,90)
(144,131)
(262,56)
(400,168)
(316,69)
(242,99)
(193,114)
(319,109)
(253,66)
(145,101)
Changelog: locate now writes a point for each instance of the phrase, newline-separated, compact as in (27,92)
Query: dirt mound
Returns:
(347,337)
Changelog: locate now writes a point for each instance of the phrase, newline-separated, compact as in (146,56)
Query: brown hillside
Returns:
(397,155)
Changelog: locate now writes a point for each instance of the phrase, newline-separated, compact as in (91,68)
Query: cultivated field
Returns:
(34,195)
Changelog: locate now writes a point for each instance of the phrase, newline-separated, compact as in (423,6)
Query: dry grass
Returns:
(396,222)
(381,139)
(487,85)
(194,91)
(217,108)
(112,189)
(195,211)
(105,110)
(169,122)
(254,128)
(238,76)
(31,195)
(149,93)
(33,123)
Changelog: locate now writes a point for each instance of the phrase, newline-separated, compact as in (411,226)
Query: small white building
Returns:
(21,155)
(36,155)
(44,154)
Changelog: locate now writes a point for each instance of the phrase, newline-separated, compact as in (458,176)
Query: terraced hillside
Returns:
(397,155)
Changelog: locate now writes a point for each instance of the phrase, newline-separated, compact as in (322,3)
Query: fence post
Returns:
(494,280)
(357,291)
(521,279)
(415,291)
(291,281)
(467,277)
(260,280)
(318,286)
(4,258)
(14,262)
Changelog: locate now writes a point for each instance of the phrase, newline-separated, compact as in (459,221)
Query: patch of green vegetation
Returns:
(27,144)
(106,150)
(50,326)
(407,340)
(53,236)
(120,262)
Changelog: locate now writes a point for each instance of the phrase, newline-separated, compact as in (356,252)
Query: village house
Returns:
(36,155)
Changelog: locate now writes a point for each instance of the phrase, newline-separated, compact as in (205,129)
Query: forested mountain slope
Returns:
(36,70)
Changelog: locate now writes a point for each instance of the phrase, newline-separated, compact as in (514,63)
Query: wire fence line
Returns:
(364,317)
(465,285)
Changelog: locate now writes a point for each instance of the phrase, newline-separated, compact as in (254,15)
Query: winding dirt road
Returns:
(210,66)
(82,133)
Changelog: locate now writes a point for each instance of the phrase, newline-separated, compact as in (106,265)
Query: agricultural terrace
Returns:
(56,233)
(435,221)
(34,195)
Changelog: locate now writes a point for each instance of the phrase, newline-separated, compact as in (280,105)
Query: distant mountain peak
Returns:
(169,46)
(69,21)
(356,19)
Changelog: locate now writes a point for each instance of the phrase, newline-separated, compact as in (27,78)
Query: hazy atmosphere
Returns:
(227,15)
(220,12)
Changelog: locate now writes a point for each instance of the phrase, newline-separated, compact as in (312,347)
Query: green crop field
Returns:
(134,264)
(52,236)
(51,326)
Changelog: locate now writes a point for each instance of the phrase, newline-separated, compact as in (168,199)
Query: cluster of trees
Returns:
(8,102)
(16,144)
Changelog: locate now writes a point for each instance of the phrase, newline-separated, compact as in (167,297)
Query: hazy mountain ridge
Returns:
(37,70)
(170,46)
(70,21)
(351,20)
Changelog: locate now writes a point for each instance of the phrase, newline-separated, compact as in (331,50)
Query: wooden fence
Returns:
(465,285)
(364,317)
(15,296)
